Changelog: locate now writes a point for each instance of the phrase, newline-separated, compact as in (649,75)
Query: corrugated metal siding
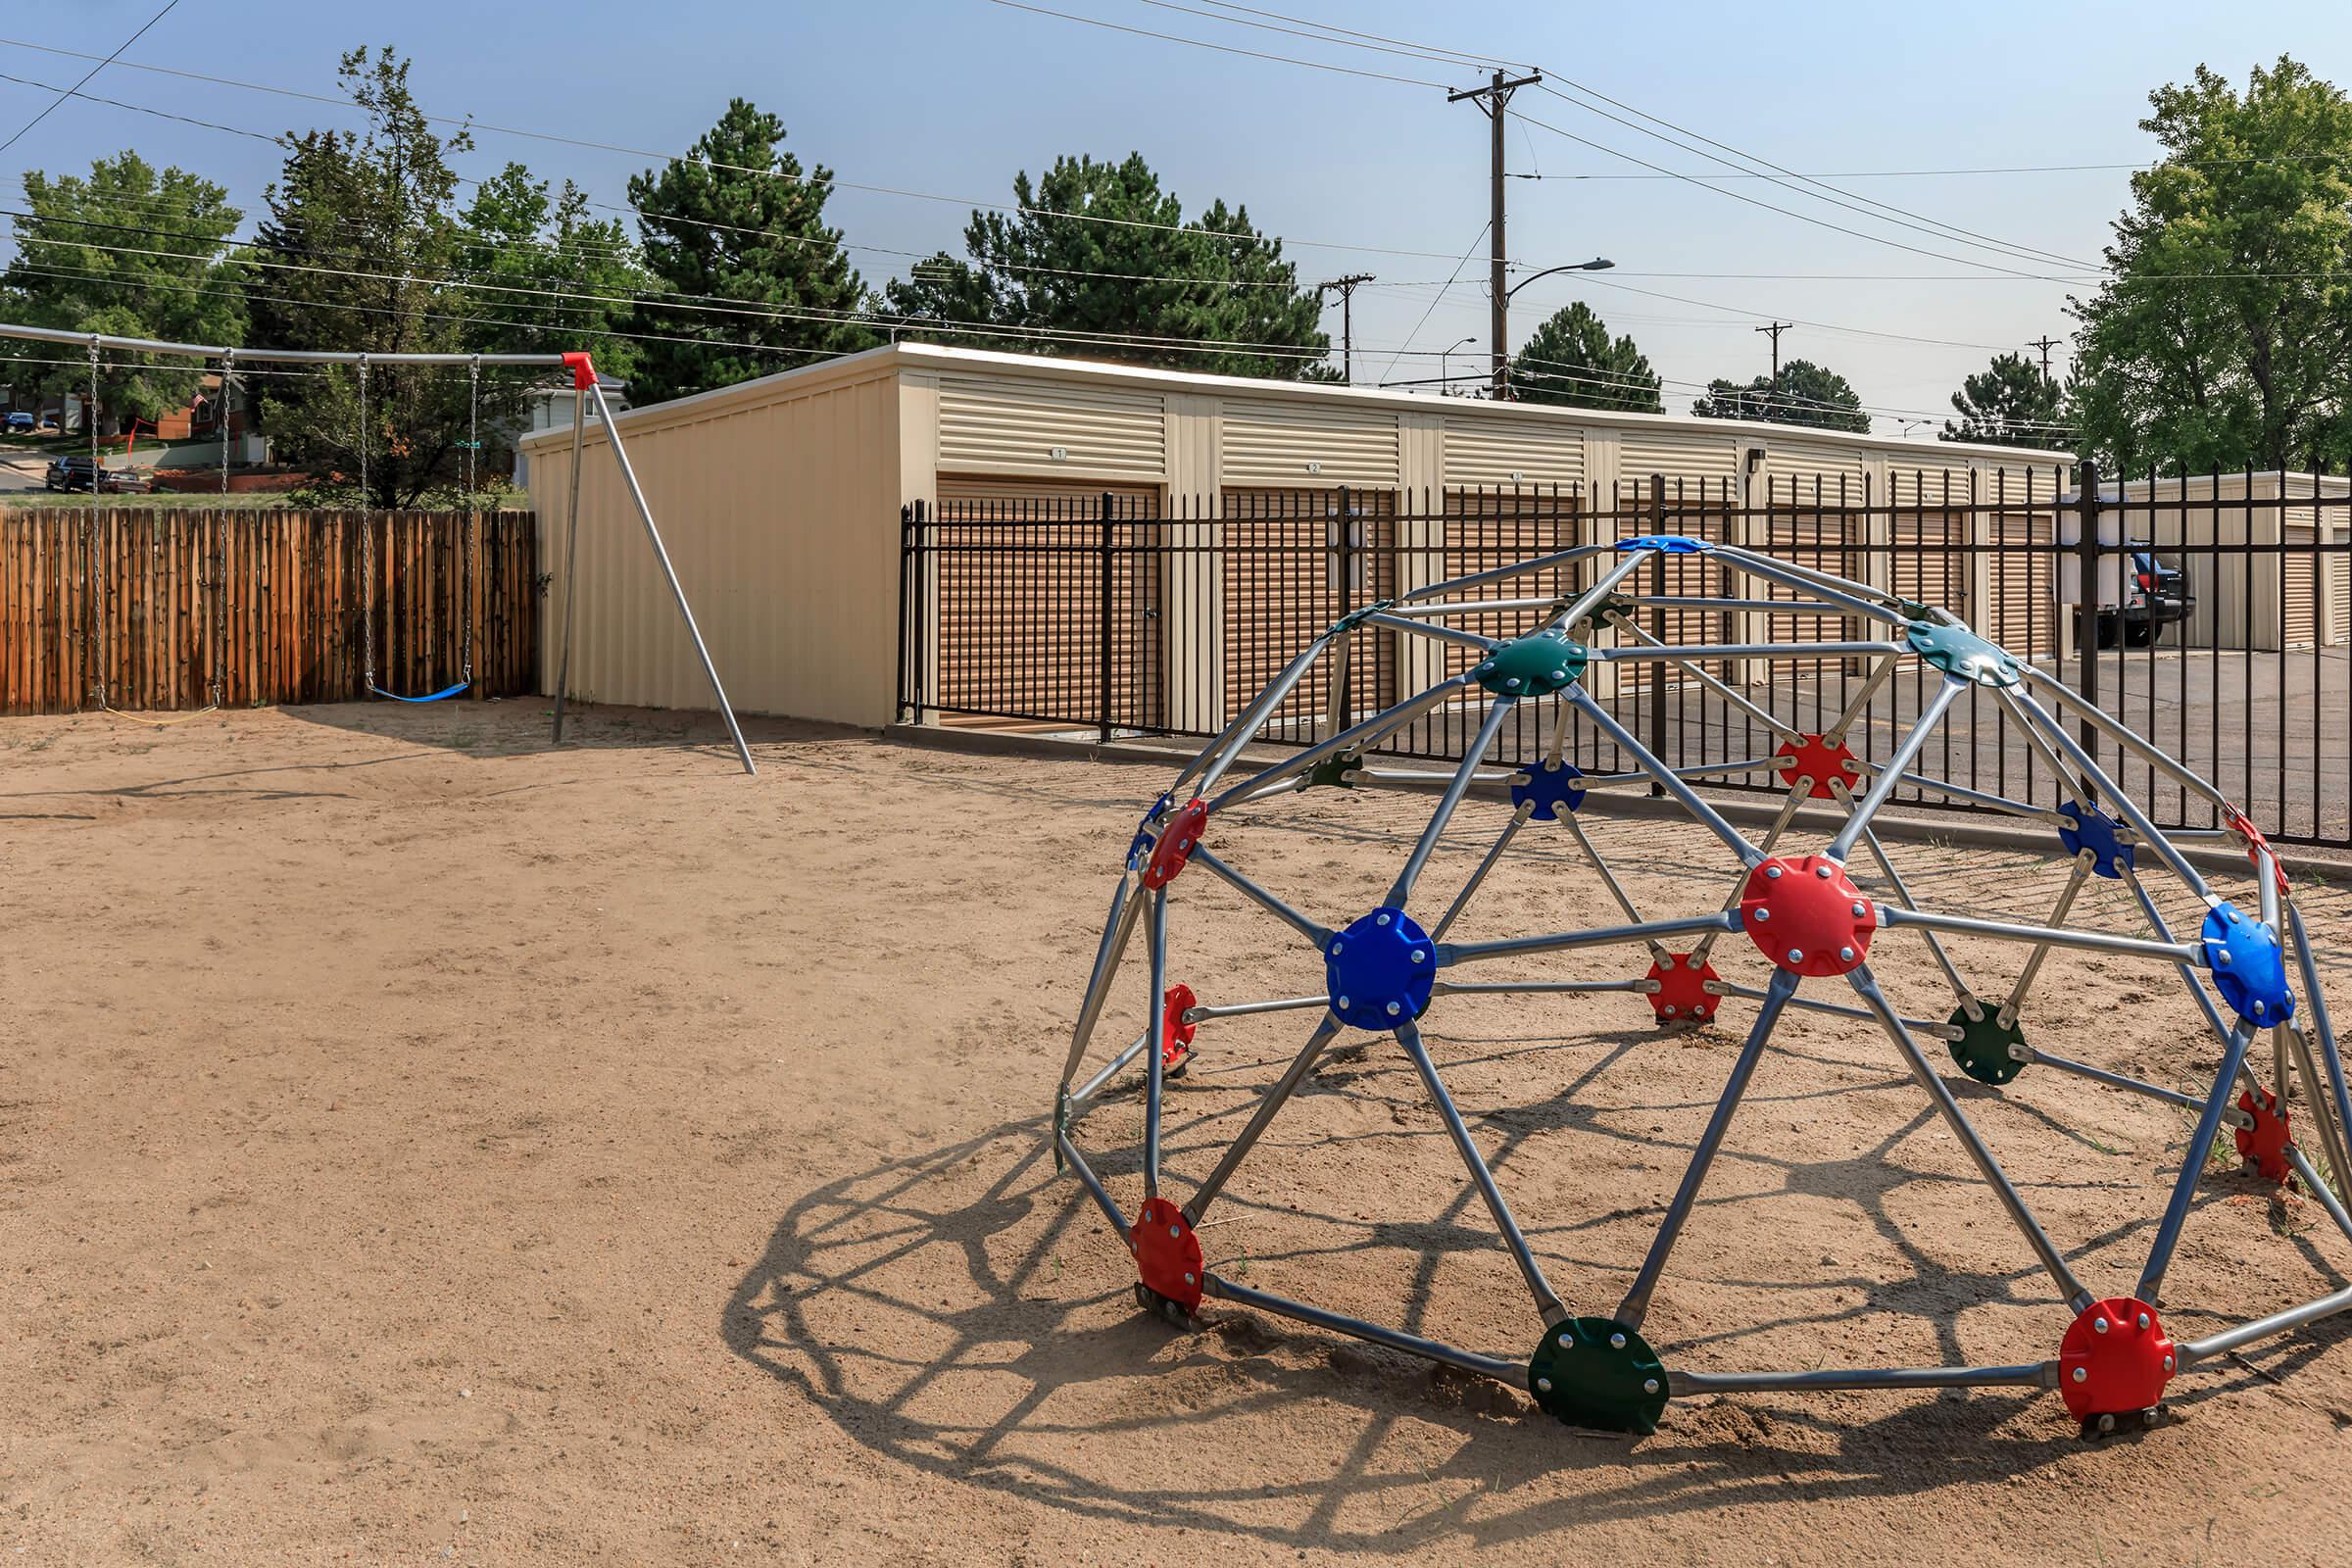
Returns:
(1018,423)
(1687,456)
(2298,598)
(781,520)
(1786,463)
(1507,452)
(1274,442)
(2021,618)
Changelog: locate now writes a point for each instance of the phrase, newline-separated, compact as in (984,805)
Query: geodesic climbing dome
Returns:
(2249,965)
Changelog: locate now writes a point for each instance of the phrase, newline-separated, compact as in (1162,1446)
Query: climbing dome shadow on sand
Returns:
(2250,966)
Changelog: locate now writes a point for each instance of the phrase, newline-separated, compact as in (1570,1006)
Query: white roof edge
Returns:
(897,356)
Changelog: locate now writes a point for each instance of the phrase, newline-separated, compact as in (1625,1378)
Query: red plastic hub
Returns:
(583,374)
(2116,1358)
(1807,916)
(1681,996)
(1823,762)
(1167,1255)
(1175,1035)
(2240,825)
(2263,1143)
(1177,840)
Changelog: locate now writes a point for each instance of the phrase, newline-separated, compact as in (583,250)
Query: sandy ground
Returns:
(416,1144)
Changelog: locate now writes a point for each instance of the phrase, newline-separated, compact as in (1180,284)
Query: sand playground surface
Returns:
(417,1145)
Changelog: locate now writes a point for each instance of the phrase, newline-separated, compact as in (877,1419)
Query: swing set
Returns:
(584,388)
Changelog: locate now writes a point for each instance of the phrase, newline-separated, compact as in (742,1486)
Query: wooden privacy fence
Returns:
(156,607)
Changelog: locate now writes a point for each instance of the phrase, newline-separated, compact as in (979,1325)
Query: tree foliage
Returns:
(544,277)
(1571,361)
(364,252)
(1095,256)
(736,234)
(2224,337)
(2010,403)
(1807,394)
(129,253)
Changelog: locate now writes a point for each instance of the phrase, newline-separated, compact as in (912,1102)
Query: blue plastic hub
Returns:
(2102,835)
(2249,967)
(1380,971)
(1672,544)
(1960,654)
(1554,788)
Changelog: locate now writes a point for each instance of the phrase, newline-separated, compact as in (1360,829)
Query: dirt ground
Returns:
(419,1145)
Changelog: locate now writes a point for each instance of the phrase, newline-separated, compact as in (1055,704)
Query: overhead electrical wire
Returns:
(51,108)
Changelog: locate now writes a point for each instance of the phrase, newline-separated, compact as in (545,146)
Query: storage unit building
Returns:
(780,500)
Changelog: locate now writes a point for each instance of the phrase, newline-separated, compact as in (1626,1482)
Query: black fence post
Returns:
(908,521)
(1344,696)
(1103,626)
(1657,629)
(2086,639)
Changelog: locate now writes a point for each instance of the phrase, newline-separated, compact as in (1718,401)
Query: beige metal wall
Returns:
(779,508)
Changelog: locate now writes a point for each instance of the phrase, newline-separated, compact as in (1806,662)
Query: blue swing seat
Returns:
(444,693)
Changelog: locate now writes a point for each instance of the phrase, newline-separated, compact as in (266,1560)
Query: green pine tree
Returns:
(736,234)
(1097,261)
(1571,361)
(1807,394)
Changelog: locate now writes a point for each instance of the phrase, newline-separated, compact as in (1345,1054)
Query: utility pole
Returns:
(1346,287)
(1491,99)
(2045,343)
(1775,329)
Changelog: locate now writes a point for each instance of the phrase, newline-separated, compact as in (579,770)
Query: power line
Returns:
(51,108)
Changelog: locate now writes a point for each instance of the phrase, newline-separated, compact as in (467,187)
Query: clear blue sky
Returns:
(949,97)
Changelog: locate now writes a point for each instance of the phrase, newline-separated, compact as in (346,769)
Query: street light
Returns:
(1502,315)
(1445,370)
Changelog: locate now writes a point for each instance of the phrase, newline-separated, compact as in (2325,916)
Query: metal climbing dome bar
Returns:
(2249,964)
(585,388)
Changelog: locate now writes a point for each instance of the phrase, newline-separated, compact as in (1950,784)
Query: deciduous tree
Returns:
(2224,337)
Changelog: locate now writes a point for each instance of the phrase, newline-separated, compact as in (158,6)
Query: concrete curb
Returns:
(1916,826)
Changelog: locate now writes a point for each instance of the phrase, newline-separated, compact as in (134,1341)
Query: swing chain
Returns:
(93,639)
(366,545)
(220,563)
(474,442)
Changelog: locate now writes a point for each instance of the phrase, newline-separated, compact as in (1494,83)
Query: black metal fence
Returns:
(2224,611)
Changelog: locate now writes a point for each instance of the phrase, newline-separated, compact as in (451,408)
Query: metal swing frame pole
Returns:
(645,514)
(571,557)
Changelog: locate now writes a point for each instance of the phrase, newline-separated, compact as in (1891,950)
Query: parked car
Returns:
(23,423)
(73,471)
(2156,594)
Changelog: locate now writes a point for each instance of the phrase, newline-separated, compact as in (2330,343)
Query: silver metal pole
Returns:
(2041,950)
(571,557)
(2123,804)
(1478,580)
(1683,661)
(1275,1097)
(1635,1306)
(2261,1328)
(1681,652)
(645,514)
(2032,1375)
(1255,713)
(1420,628)
(1892,774)
(1461,900)
(1118,929)
(1401,889)
(1512,1372)
(2113,1080)
(1364,734)
(2192,1165)
(1708,816)
(1281,911)
(1548,1302)
(2070,1289)
(1092,1183)
(1891,915)
(214,351)
(1453,953)
(1155,1041)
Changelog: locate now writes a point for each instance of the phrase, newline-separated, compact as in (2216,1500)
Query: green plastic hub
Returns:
(1960,654)
(1982,1048)
(1357,617)
(1595,1372)
(1332,771)
(1533,665)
